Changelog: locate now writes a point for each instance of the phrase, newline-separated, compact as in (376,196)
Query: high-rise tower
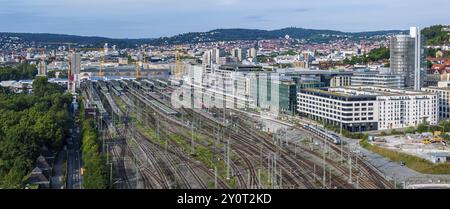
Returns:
(406,53)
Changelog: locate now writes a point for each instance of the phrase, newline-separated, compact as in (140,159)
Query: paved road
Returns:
(74,163)
(58,171)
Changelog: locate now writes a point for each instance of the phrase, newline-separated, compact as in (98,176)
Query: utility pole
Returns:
(110,175)
(137,172)
(249,184)
(350,165)
(274,176)
(295,149)
(192,136)
(260,154)
(342,142)
(107,154)
(167,145)
(330,176)
(281,179)
(269,169)
(215,177)
(314,174)
(324,171)
(228,159)
(259,178)
(357,181)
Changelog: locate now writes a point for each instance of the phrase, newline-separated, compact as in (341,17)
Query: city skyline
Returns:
(156,18)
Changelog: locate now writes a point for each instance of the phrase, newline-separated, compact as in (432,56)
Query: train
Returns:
(115,87)
(329,136)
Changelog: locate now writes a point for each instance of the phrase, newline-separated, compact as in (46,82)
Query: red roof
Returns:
(438,60)
(438,67)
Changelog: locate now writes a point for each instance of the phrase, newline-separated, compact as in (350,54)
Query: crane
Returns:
(177,62)
(137,70)
(102,61)
(138,63)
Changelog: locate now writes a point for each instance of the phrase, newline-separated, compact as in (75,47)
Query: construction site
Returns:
(430,146)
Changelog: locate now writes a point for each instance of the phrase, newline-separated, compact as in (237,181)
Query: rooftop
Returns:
(240,67)
(365,91)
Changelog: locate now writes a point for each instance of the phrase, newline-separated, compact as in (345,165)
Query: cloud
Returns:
(300,10)
(257,18)
(227,2)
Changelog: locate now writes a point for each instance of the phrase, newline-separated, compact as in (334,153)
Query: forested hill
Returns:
(61,39)
(434,35)
(311,35)
(198,37)
(437,35)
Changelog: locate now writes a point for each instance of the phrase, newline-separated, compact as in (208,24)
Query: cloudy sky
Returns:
(155,18)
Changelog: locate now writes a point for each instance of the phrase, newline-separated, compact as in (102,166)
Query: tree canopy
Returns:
(380,54)
(19,72)
(435,35)
(27,123)
(94,163)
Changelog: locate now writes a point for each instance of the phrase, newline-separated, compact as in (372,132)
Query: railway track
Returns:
(243,145)
(373,178)
(182,157)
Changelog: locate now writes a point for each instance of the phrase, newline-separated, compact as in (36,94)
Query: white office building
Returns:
(367,108)
(375,78)
(443,94)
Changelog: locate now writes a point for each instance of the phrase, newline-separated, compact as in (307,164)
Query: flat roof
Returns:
(436,87)
(384,91)
(313,72)
(337,94)
(240,67)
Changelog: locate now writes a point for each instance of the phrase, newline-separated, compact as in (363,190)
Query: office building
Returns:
(42,69)
(406,57)
(443,94)
(340,80)
(216,54)
(206,58)
(367,108)
(376,78)
(74,73)
(239,53)
(252,53)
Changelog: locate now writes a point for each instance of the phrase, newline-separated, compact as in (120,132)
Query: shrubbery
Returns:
(94,163)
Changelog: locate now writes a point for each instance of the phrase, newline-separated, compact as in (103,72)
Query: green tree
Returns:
(19,72)
(423,127)
(28,122)
(435,35)
(96,173)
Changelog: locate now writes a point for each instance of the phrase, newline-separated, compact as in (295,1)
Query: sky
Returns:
(156,18)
